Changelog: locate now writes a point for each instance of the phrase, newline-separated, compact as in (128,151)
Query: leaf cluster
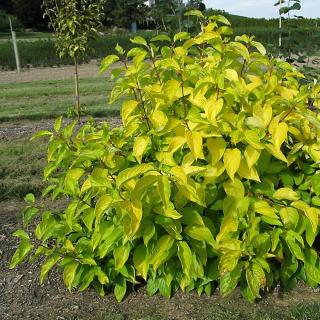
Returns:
(75,23)
(212,180)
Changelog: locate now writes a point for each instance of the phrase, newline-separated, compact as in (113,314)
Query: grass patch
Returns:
(21,163)
(48,99)
(26,35)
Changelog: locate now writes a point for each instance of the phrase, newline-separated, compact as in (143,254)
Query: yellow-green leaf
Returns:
(286,194)
(102,205)
(69,273)
(140,146)
(194,140)
(141,261)
(252,155)
(231,160)
(132,173)
(121,255)
(217,147)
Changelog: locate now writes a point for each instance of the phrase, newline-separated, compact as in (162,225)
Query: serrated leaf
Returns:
(21,234)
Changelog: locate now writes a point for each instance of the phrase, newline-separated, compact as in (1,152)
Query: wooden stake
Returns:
(280,27)
(77,97)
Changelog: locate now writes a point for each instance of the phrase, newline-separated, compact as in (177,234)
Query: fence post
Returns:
(15,47)
(280,27)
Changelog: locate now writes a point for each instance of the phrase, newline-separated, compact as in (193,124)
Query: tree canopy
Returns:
(120,13)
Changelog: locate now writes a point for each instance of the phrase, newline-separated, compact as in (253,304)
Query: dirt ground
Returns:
(87,70)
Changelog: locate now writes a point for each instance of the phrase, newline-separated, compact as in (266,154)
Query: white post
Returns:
(280,26)
(15,46)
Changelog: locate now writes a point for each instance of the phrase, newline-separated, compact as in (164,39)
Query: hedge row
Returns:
(42,52)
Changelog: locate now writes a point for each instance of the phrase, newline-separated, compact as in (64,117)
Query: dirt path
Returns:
(56,73)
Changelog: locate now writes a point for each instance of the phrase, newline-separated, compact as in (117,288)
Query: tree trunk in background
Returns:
(77,97)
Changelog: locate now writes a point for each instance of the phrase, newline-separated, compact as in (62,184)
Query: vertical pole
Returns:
(15,46)
(280,27)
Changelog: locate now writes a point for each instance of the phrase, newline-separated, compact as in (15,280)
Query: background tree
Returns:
(75,23)
(285,8)
(29,13)
(167,15)
(124,12)
(6,5)
(196,4)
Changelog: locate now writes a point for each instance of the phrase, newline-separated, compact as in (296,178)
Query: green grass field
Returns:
(48,99)
(26,35)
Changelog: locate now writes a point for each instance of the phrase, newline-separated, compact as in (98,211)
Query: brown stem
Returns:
(77,98)
(143,106)
(288,113)
(183,96)
(155,68)
(140,101)
(243,67)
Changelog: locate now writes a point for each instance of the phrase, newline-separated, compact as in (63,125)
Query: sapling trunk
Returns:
(77,97)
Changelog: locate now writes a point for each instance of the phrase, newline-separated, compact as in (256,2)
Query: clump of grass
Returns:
(306,312)
(21,164)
